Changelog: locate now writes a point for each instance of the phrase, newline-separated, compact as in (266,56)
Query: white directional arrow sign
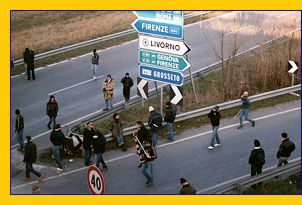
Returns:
(294,67)
(142,88)
(178,96)
(163,45)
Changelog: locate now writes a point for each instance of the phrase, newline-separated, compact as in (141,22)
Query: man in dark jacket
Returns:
(244,112)
(215,116)
(19,127)
(116,127)
(127,84)
(30,157)
(99,146)
(29,58)
(155,123)
(186,188)
(257,159)
(140,138)
(149,155)
(52,111)
(87,141)
(285,149)
(57,139)
(170,115)
(94,62)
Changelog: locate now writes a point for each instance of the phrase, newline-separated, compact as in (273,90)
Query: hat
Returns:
(182,180)
(57,126)
(28,138)
(256,143)
(127,74)
(151,109)
(216,107)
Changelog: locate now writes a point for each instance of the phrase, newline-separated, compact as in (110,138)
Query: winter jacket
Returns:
(143,134)
(214,117)
(99,143)
(29,57)
(187,189)
(52,109)
(127,82)
(19,123)
(245,102)
(286,148)
(152,118)
(108,88)
(170,114)
(257,157)
(57,138)
(95,59)
(116,127)
(30,155)
(87,138)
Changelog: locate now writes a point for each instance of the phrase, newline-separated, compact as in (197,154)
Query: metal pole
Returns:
(293,79)
(192,80)
(143,104)
(155,83)
(161,98)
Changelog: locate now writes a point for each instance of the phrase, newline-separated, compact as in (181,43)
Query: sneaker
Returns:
(239,127)
(71,160)
(148,181)
(41,178)
(93,77)
(25,178)
(59,169)
(105,109)
(253,123)
(104,169)
(140,165)
(149,184)
(217,145)
(210,147)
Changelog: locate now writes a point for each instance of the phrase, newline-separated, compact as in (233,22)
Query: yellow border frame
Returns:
(7,5)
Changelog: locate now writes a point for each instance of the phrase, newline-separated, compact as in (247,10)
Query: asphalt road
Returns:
(187,157)
(78,101)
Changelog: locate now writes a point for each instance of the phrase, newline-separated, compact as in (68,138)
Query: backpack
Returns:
(291,147)
(157,122)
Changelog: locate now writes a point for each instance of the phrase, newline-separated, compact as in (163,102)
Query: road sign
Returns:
(176,95)
(95,180)
(292,67)
(163,45)
(173,17)
(177,63)
(158,74)
(142,88)
(158,28)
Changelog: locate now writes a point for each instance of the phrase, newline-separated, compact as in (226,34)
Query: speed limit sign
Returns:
(95,180)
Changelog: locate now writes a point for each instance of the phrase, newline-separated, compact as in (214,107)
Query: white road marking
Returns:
(75,85)
(160,146)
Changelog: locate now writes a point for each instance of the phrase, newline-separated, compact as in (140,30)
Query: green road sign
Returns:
(166,61)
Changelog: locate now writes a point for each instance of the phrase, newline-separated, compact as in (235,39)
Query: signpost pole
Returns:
(293,79)
(161,98)
(192,80)
(156,88)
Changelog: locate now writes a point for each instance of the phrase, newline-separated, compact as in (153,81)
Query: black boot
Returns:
(124,149)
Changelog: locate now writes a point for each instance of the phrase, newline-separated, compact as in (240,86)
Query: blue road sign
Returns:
(158,28)
(173,17)
(158,74)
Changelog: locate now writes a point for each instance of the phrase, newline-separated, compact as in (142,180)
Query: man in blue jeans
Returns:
(57,139)
(155,123)
(245,110)
(19,127)
(88,134)
(215,116)
(149,156)
(170,115)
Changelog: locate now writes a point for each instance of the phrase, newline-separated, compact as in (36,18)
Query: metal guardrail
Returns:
(94,41)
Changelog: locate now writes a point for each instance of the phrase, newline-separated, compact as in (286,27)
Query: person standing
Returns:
(257,159)
(148,157)
(95,62)
(88,134)
(57,139)
(99,146)
(30,157)
(52,111)
(29,60)
(244,112)
(155,123)
(127,84)
(19,128)
(116,128)
(170,115)
(285,149)
(215,116)
(140,139)
(108,88)
(186,188)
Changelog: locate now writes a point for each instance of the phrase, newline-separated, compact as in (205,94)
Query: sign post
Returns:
(95,180)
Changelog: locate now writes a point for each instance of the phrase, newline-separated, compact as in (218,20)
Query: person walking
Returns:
(186,188)
(108,88)
(19,128)
(116,128)
(215,116)
(149,155)
(94,62)
(29,61)
(170,115)
(127,84)
(99,146)
(285,149)
(57,139)
(155,123)
(140,138)
(257,159)
(88,134)
(244,112)
(52,111)
(30,157)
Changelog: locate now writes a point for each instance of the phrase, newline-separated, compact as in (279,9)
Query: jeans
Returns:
(20,138)
(154,137)
(57,155)
(88,153)
(245,113)
(215,135)
(99,158)
(52,119)
(282,160)
(148,167)
(30,69)
(170,131)
(108,104)
(29,168)
(120,139)
(94,67)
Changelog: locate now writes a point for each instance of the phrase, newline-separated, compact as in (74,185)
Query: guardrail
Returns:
(94,41)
